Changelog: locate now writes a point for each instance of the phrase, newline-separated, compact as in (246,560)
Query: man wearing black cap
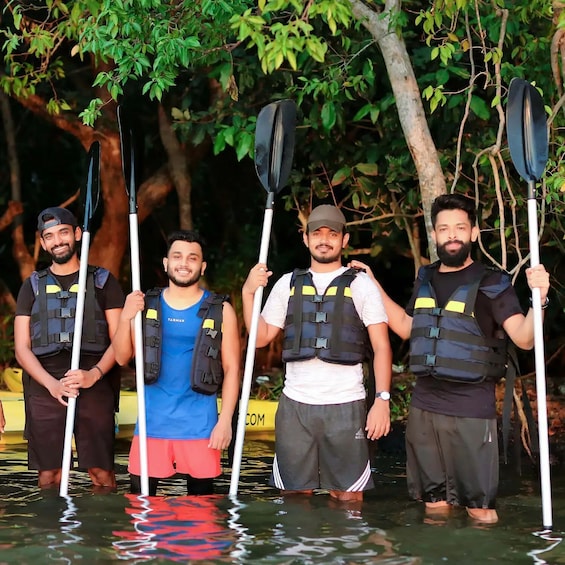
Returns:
(43,332)
(328,314)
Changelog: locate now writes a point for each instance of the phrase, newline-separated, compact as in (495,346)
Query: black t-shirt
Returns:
(455,398)
(110,296)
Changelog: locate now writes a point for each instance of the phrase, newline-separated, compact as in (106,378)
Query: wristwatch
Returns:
(383,395)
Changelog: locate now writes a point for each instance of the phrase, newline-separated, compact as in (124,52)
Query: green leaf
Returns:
(328,115)
(480,108)
(369,169)
(340,176)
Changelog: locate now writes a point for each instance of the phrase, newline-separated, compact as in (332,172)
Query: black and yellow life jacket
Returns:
(324,326)
(448,343)
(206,375)
(53,312)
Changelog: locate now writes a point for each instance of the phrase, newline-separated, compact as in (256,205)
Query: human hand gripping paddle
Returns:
(274,148)
(129,169)
(526,129)
(90,202)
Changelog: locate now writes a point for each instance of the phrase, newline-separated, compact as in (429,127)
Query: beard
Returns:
(457,258)
(327,258)
(183,283)
(66,257)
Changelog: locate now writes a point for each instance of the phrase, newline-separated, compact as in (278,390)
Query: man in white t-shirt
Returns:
(329,314)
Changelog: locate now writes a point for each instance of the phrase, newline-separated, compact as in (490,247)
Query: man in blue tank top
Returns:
(458,320)
(189,354)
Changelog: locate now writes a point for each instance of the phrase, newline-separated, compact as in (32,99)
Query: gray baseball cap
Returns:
(326,216)
(51,217)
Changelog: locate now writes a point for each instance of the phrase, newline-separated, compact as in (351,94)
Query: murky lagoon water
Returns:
(262,527)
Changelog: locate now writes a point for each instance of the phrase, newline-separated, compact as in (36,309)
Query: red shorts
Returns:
(165,457)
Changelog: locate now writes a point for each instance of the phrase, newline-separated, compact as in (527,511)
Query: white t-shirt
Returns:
(314,381)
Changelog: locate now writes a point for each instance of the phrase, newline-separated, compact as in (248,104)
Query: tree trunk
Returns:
(408,103)
(112,238)
(14,214)
(178,168)
(13,161)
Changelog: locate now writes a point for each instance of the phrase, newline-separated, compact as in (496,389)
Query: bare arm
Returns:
(398,320)
(258,276)
(378,419)
(31,364)
(520,328)
(231,363)
(85,378)
(123,339)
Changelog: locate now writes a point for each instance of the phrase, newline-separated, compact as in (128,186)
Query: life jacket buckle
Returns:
(321,343)
(65,313)
(430,360)
(63,294)
(153,341)
(65,337)
(208,379)
(317,298)
(434,333)
(212,352)
(212,333)
(321,317)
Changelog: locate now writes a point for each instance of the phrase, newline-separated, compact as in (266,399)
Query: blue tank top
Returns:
(173,409)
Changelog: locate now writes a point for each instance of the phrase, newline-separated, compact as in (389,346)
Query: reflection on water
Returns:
(260,526)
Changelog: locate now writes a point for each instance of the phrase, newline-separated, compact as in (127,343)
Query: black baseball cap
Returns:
(51,217)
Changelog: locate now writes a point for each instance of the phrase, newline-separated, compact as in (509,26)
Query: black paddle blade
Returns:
(274,144)
(526,129)
(92,192)
(129,163)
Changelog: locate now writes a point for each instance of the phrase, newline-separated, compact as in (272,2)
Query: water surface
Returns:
(262,527)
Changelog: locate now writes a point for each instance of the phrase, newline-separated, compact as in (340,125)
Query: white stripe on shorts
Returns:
(277,479)
(362,481)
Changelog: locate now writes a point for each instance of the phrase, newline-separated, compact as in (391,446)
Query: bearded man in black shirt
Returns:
(459,319)
(43,334)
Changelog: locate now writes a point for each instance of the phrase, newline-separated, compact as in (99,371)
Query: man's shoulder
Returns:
(285,279)
(488,274)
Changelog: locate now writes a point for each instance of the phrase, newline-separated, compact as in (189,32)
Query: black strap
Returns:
(510,379)
(298,277)
(89,319)
(532,424)
(472,297)
(486,357)
(343,281)
(42,299)
(433,332)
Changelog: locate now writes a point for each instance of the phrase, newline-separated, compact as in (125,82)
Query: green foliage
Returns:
(350,147)
(282,31)
(268,387)
(400,396)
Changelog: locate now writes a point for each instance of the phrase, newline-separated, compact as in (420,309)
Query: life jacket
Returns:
(53,314)
(448,343)
(206,375)
(324,326)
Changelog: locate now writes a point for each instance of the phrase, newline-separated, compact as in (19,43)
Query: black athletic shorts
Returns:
(452,459)
(321,447)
